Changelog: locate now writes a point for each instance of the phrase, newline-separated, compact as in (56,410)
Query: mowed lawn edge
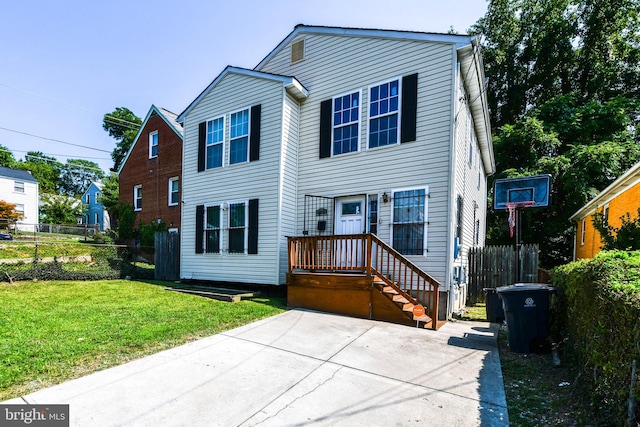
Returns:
(51,332)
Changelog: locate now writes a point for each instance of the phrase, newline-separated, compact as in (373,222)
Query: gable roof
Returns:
(19,174)
(291,84)
(167,116)
(96,184)
(617,187)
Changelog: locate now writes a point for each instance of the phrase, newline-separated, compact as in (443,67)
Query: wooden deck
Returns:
(360,276)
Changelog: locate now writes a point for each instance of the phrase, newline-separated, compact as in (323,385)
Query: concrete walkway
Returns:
(301,368)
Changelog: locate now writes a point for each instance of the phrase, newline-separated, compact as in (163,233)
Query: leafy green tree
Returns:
(126,220)
(109,197)
(57,209)
(6,157)
(77,175)
(626,237)
(45,169)
(123,125)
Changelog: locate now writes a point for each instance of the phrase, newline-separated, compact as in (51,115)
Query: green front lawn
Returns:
(54,331)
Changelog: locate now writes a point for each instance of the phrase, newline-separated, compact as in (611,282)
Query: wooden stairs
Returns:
(401,300)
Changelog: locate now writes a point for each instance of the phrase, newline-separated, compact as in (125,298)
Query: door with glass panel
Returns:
(351,220)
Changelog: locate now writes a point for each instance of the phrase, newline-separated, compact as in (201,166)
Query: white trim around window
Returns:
(215,142)
(173,192)
(403,217)
(137,197)
(153,144)
(18,186)
(347,118)
(239,131)
(582,231)
(233,224)
(391,105)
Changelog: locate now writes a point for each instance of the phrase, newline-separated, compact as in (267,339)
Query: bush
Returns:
(597,316)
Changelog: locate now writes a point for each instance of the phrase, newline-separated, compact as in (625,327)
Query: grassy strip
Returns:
(51,332)
(11,250)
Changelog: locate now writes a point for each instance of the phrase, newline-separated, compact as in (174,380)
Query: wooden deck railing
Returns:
(370,255)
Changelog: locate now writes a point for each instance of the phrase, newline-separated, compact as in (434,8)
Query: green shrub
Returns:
(597,316)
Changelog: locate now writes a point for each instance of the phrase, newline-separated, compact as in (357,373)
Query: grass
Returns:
(51,332)
(537,392)
(16,249)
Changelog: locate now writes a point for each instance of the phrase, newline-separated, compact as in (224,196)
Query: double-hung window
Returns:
(239,137)
(174,191)
(18,186)
(237,227)
(87,199)
(153,144)
(137,198)
(346,116)
(212,229)
(384,101)
(215,142)
(409,221)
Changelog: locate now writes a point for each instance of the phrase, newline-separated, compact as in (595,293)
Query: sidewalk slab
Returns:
(298,368)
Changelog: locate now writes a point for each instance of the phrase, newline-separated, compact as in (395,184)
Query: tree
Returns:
(626,237)
(57,209)
(8,213)
(77,175)
(6,157)
(123,125)
(110,197)
(45,169)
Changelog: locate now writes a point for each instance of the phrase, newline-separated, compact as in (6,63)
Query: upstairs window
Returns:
(239,137)
(384,101)
(346,116)
(18,186)
(582,231)
(87,199)
(153,144)
(174,191)
(215,142)
(137,198)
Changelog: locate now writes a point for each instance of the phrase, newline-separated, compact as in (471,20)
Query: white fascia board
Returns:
(292,85)
(617,187)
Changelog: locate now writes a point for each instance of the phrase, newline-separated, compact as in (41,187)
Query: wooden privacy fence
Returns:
(494,266)
(167,256)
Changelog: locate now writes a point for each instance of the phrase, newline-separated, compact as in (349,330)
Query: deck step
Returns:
(389,290)
(400,299)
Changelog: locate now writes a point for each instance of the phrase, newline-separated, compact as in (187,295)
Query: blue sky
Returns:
(65,63)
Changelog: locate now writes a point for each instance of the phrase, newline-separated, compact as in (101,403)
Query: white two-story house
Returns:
(341,132)
(20,188)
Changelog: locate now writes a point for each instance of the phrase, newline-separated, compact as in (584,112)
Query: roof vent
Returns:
(297,51)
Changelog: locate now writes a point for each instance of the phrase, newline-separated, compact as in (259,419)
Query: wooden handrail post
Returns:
(368,255)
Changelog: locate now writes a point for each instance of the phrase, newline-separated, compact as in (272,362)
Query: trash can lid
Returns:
(489,290)
(525,287)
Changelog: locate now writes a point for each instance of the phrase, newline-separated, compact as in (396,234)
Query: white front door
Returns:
(350,213)
(350,219)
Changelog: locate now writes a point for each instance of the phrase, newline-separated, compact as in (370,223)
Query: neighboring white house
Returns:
(21,188)
(339,131)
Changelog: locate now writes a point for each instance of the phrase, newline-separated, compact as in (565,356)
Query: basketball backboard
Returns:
(532,191)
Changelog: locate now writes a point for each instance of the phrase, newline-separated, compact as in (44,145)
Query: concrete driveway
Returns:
(301,368)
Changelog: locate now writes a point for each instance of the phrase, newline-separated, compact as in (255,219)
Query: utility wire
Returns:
(55,140)
(62,165)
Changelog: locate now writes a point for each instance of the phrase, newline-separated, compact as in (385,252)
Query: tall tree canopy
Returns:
(109,197)
(77,175)
(123,125)
(6,157)
(45,169)
(563,92)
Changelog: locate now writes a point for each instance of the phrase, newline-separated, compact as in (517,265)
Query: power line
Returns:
(54,140)
(115,120)
(54,160)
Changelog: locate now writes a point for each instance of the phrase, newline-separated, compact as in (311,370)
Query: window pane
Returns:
(213,217)
(236,215)
(214,156)
(345,124)
(238,150)
(212,241)
(236,241)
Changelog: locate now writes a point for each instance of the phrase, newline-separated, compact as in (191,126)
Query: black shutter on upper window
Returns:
(409,108)
(252,247)
(202,147)
(200,229)
(325,128)
(254,143)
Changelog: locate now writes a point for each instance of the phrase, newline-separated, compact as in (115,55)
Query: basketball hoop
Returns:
(511,208)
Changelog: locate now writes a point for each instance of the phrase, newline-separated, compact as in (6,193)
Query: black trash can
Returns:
(526,306)
(493,305)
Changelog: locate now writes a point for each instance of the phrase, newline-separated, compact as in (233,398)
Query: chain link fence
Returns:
(45,260)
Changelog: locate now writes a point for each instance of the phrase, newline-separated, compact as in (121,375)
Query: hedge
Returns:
(596,316)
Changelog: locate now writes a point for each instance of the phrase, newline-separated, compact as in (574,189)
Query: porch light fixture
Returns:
(385,198)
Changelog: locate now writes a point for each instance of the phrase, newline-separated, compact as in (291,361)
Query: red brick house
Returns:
(150,175)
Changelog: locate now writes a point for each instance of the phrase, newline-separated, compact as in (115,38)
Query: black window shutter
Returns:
(200,229)
(253,227)
(409,108)
(202,148)
(325,128)
(254,143)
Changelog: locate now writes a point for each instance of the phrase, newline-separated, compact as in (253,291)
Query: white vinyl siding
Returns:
(28,198)
(244,181)
(340,64)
